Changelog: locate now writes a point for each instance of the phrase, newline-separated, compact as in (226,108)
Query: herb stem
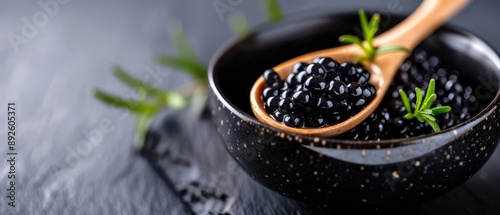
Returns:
(369,30)
(423,111)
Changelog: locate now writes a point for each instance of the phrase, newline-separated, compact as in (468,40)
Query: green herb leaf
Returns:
(418,93)
(183,64)
(273,11)
(428,102)
(406,101)
(390,48)
(434,126)
(239,24)
(369,30)
(426,111)
(351,39)
(365,28)
(181,43)
(373,27)
(175,100)
(136,83)
(141,129)
(409,116)
(430,90)
(420,118)
(187,60)
(441,109)
(423,111)
(363,58)
(427,117)
(133,106)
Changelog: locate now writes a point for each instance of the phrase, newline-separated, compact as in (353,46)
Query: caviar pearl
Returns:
(299,67)
(354,91)
(316,69)
(293,120)
(325,104)
(302,98)
(301,77)
(270,91)
(327,62)
(286,105)
(315,84)
(272,103)
(348,70)
(315,120)
(387,121)
(337,89)
(316,94)
(271,77)
(277,115)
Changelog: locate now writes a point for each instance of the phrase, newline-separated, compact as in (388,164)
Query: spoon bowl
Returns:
(428,17)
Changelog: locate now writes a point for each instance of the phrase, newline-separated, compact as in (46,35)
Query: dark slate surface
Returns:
(50,78)
(187,154)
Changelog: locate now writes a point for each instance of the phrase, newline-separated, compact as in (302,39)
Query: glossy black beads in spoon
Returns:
(318,94)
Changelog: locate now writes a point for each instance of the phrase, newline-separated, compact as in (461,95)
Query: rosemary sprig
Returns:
(241,27)
(239,24)
(273,11)
(369,29)
(153,99)
(423,111)
(186,61)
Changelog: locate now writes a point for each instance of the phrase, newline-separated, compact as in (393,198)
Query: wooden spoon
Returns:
(428,17)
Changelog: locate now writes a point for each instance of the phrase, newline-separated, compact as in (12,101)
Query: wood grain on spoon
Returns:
(428,17)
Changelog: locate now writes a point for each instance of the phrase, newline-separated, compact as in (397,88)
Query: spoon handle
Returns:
(426,19)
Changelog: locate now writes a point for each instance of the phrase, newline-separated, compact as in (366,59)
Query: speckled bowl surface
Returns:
(330,172)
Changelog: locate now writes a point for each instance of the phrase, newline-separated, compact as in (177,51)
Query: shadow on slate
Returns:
(186,152)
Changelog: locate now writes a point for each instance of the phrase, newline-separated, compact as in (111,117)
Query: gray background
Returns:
(51,76)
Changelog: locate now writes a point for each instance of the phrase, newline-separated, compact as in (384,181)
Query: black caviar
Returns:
(318,94)
(387,121)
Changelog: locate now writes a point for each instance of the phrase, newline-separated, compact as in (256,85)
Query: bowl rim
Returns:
(344,143)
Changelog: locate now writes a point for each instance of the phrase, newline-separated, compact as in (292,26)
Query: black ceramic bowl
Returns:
(330,172)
